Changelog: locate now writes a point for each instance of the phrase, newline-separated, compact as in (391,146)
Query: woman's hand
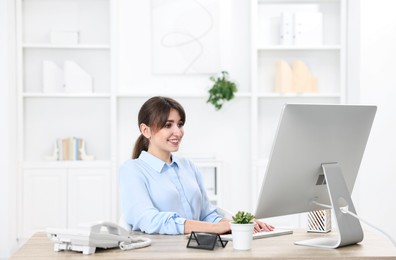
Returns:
(260,226)
(223,227)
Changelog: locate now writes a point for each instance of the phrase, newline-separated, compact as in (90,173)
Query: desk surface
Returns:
(174,247)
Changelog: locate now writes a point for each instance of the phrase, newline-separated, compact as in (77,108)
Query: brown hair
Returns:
(154,113)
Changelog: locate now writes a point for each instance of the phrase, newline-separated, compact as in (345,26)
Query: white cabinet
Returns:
(88,195)
(65,87)
(43,200)
(63,196)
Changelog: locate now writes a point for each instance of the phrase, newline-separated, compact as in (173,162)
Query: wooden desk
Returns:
(174,247)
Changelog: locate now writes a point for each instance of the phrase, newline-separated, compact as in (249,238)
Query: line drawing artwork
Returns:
(185,36)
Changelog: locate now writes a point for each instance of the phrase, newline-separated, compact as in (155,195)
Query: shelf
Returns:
(299,95)
(297,48)
(55,46)
(65,164)
(65,95)
(295,1)
(174,95)
(177,95)
(241,95)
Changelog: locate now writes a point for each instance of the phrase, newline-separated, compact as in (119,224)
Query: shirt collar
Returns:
(156,163)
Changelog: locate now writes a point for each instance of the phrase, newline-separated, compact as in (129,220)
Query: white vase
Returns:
(242,236)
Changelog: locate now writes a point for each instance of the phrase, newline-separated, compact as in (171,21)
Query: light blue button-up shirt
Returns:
(157,197)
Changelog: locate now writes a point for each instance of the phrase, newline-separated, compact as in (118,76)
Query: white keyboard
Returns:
(263,234)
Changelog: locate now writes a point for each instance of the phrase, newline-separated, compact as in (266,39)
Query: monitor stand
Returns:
(350,230)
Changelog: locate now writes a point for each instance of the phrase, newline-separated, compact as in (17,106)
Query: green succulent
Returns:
(222,90)
(243,217)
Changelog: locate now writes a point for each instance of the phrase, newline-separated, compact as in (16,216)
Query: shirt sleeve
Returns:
(209,212)
(138,208)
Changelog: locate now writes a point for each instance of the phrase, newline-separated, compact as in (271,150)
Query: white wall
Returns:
(378,86)
(4,193)
(7,122)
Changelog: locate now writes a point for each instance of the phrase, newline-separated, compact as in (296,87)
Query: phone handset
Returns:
(109,228)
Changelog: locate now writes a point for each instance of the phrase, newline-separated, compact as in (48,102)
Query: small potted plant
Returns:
(242,230)
(223,90)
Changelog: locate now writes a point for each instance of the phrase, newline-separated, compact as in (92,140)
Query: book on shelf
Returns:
(69,149)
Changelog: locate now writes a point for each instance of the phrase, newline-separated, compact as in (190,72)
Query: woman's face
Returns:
(168,138)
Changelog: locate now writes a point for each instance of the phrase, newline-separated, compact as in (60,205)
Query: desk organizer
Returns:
(319,221)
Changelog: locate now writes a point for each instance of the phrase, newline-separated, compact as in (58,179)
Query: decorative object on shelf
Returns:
(294,79)
(301,28)
(283,77)
(55,154)
(83,153)
(242,230)
(64,37)
(69,149)
(53,78)
(319,221)
(303,80)
(77,80)
(308,28)
(222,90)
(71,79)
(286,30)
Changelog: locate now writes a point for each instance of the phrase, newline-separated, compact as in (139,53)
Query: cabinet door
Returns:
(89,195)
(43,200)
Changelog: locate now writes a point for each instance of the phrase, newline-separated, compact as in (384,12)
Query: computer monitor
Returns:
(314,162)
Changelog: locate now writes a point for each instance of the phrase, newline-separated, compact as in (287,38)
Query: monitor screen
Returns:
(309,136)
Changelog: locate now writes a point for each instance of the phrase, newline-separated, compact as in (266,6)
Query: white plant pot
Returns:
(242,236)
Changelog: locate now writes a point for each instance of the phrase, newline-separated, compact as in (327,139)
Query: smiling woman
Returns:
(160,192)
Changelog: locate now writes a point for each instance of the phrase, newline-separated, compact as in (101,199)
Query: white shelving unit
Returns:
(65,193)
(326,61)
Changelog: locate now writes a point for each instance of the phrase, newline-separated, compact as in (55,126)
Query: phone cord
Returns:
(135,243)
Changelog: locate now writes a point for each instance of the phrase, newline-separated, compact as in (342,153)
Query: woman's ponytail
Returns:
(141,144)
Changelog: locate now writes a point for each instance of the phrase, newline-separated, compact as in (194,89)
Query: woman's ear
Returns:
(145,130)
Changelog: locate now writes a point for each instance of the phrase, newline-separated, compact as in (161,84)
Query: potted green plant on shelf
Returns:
(242,230)
(223,90)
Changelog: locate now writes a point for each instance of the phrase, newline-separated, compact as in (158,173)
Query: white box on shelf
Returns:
(53,81)
(77,80)
(286,28)
(64,37)
(308,28)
